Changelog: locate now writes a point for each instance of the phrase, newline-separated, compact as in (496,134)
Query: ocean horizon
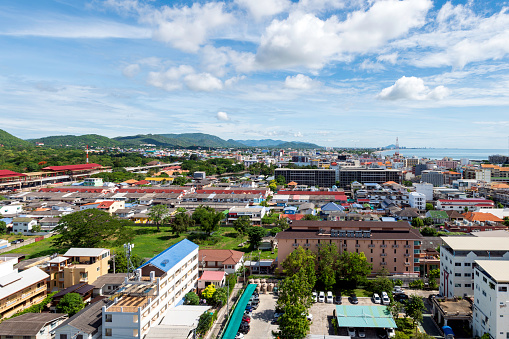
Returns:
(440,153)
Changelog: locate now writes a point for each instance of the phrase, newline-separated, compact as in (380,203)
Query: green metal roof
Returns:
(438,214)
(364,316)
(236,317)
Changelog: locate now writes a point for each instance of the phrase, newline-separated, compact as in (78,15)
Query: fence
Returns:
(26,242)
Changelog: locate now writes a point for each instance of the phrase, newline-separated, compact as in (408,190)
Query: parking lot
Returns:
(261,318)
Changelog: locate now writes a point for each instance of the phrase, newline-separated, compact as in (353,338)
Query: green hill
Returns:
(296,145)
(93,140)
(9,140)
(178,140)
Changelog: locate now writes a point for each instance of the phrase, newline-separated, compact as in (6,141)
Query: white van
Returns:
(330,298)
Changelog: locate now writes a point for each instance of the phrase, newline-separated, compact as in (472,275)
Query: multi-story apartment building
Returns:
(19,290)
(394,246)
(447,163)
(368,175)
(308,177)
(457,258)
(77,265)
(411,162)
(461,205)
(491,299)
(417,200)
(159,284)
(436,178)
(425,188)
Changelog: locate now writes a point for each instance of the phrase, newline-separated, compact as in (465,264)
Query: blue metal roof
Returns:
(364,316)
(330,206)
(172,255)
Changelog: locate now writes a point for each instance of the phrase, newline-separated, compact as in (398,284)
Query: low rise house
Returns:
(32,326)
(216,278)
(438,217)
(86,324)
(229,261)
(107,284)
(255,213)
(23,225)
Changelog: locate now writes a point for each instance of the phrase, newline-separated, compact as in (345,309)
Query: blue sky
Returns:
(333,72)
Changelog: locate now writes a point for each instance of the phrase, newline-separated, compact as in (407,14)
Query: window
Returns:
(394,268)
(457,264)
(63,336)
(79,336)
(484,279)
(371,250)
(467,264)
(457,285)
(476,273)
(457,274)
(467,274)
(371,259)
(109,318)
(468,285)
(394,251)
(108,332)
(395,261)
(502,288)
(135,332)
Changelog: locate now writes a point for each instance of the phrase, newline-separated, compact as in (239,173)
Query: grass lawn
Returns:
(148,242)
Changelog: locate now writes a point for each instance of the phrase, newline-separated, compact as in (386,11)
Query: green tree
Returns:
(414,308)
(204,323)
(326,265)
(275,231)
(273,186)
(220,296)
(407,183)
(429,206)
(208,293)
(417,222)
(311,217)
(207,218)
(380,284)
(293,324)
(181,223)
(71,303)
(499,205)
(191,298)
(418,284)
(280,180)
(157,214)
(353,267)
(256,234)
(36,228)
(3,227)
(295,290)
(429,232)
(121,262)
(242,224)
(396,308)
(180,181)
(434,274)
(91,228)
(298,260)
(282,223)
(428,221)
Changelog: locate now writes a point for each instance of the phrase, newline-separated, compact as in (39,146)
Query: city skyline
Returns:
(335,73)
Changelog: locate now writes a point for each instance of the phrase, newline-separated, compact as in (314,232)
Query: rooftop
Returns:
(212,275)
(89,319)
(497,269)
(84,252)
(171,256)
(460,243)
(28,324)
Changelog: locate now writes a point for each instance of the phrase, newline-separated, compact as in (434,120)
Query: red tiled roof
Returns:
(72,189)
(142,182)
(10,174)
(151,190)
(220,255)
(105,204)
(212,275)
(79,167)
(310,192)
(293,216)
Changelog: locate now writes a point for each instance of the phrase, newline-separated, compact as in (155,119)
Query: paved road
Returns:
(261,318)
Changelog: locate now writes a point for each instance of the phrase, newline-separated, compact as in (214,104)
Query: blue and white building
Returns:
(158,285)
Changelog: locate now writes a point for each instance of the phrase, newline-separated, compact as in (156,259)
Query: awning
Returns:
(236,317)
(364,316)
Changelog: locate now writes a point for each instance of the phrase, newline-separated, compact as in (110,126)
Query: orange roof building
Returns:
(481,217)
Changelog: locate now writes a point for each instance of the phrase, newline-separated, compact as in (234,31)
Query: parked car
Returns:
(402,298)
(338,300)
(244,328)
(381,333)
(249,308)
(385,299)
(351,331)
(391,333)
(277,315)
(255,297)
(321,297)
(314,297)
(246,318)
(361,332)
(376,298)
(353,299)
(330,298)
(397,290)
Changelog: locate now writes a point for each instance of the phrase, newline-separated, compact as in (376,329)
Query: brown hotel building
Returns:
(394,246)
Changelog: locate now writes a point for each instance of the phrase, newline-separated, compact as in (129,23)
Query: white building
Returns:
(424,188)
(457,257)
(11,209)
(417,200)
(160,284)
(491,301)
(86,324)
(255,213)
(472,205)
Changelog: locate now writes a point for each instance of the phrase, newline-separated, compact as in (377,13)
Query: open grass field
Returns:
(149,242)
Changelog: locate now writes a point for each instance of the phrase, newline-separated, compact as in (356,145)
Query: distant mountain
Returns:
(9,140)
(260,143)
(296,144)
(93,140)
(179,140)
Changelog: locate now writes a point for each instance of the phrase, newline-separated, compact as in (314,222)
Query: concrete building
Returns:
(368,175)
(436,178)
(86,324)
(491,301)
(457,258)
(23,225)
(229,261)
(159,284)
(424,188)
(461,205)
(417,200)
(93,182)
(308,177)
(255,213)
(394,246)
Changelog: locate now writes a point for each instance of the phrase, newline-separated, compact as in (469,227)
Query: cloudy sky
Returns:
(332,72)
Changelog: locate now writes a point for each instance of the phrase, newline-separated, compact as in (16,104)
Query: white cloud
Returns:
(298,135)
(412,88)
(131,70)
(188,28)
(203,82)
(390,58)
(223,116)
(169,80)
(369,65)
(232,81)
(263,8)
(319,5)
(306,40)
(299,81)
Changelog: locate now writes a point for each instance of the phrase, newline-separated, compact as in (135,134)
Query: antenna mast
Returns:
(130,267)
(87,154)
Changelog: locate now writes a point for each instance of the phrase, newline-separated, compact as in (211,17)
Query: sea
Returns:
(454,153)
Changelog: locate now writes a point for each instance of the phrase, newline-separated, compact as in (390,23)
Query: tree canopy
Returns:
(121,262)
(207,218)
(71,303)
(353,267)
(181,223)
(414,308)
(157,214)
(91,228)
(191,298)
(300,259)
(256,234)
(327,256)
(242,224)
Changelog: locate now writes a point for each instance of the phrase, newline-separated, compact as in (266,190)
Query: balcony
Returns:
(407,246)
(407,255)
(295,244)
(344,245)
(395,246)
(383,246)
(371,245)
(383,254)
(383,263)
